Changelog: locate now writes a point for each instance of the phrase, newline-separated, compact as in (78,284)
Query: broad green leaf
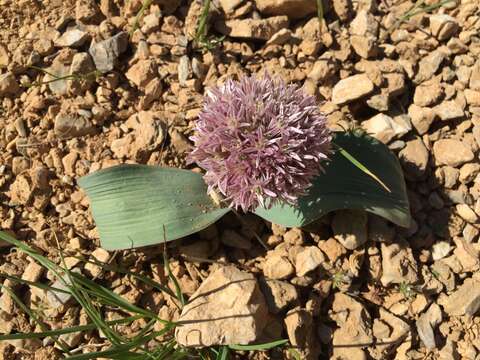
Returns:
(131,204)
(345,186)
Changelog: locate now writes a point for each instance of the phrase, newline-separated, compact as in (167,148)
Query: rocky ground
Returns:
(354,287)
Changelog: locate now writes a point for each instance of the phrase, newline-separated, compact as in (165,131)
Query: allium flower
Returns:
(260,141)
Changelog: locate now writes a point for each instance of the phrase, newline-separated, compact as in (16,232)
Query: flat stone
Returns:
(354,327)
(294,9)
(414,158)
(277,267)
(300,329)
(426,324)
(278,294)
(350,228)
(443,26)
(398,264)
(8,84)
(72,38)
(68,126)
(381,127)
(429,65)
(258,29)
(466,213)
(465,300)
(449,110)
(308,259)
(392,334)
(351,88)
(421,118)
(228,308)
(444,154)
(475,77)
(141,73)
(427,94)
(105,53)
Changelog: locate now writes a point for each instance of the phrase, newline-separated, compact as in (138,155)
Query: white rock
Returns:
(380,127)
(398,264)
(294,9)
(72,38)
(452,152)
(260,29)
(308,259)
(440,249)
(443,26)
(465,300)
(351,88)
(227,308)
(426,325)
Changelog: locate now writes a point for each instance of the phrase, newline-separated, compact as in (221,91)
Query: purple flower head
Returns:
(260,141)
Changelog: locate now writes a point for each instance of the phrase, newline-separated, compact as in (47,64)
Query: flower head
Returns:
(260,141)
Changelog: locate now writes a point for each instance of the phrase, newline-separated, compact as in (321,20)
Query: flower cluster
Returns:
(260,141)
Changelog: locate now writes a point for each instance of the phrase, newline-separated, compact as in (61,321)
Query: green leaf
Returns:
(132,203)
(259,347)
(344,185)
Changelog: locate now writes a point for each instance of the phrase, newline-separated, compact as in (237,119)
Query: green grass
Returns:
(95,299)
(93,75)
(419,8)
(138,17)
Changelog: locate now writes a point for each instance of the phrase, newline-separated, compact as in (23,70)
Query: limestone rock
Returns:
(300,330)
(105,53)
(381,127)
(449,110)
(278,294)
(73,37)
(68,126)
(427,94)
(294,9)
(141,73)
(426,324)
(465,300)
(398,264)
(429,65)
(259,29)
(8,84)
(227,308)
(354,328)
(308,259)
(392,334)
(421,118)
(277,267)
(443,26)
(351,88)
(452,152)
(350,228)
(414,158)
(147,135)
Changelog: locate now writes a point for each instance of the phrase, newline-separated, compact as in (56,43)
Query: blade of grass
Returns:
(118,350)
(259,347)
(360,166)
(202,22)
(172,278)
(32,315)
(295,354)
(223,354)
(35,284)
(50,333)
(145,5)
(83,298)
(135,275)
